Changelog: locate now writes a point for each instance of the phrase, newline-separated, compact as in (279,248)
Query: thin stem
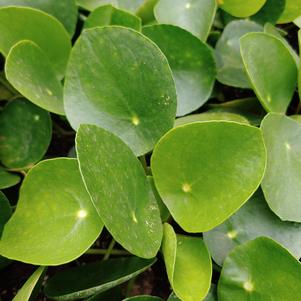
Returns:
(130,287)
(104,252)
(22,172)
(109,249)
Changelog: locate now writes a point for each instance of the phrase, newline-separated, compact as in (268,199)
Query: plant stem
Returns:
(109,249)
(104,251)
(130,287)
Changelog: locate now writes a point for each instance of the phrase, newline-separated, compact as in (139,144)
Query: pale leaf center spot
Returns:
(36,117)
(82,213)
(135,120)
(288,146)
(232,234)
(49,92)
(248,286)
(134,218)
(188,5)
(186,187)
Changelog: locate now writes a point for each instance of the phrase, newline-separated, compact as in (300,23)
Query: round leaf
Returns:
(253,220)
(55,221)
(30,71)
(191,62)
(136,99)
(8,179)
(271,70)
(260,270)
(188,265)
(205,171)
(120,190)
(230,66)
(209,116)
(241,8)
(196,16)
(23,23)
(64,10)
(130,5)
(87,280)
(25,134)
(27,289)
(291,12)
(282,177)
(109,15)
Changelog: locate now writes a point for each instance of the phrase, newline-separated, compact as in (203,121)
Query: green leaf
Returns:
(260,270)
(253,220)
(209,116)
(230,66)
(27,289)
(274,31)
(146,11)
(291,12)
(136,99)
(250,108)
(188,265)
(25,134)
(264,56)
(143,298)
(30,71)
(8,179)
(111,294)
(204,181)
(55,221)
(196,16)
(23,23)
(120,190)
(270,12)
(130,5)
(241,8)
(191,62)
(281,181)
(87,280)
(64,10)
(109,15)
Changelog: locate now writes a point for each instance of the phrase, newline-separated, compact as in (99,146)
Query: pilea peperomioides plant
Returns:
(150,150)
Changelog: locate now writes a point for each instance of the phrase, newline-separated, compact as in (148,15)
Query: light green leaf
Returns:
(188,265)
(196,16)
(25,292)
(25,134)
(120,190)
(230,66)
(291,12)
(264,56)
(298,22)
(8,179)
(283,174)
(130,5)
(136,99)
(55,221)
(270,12)
(274,31)
(253,220)
(241,8)
(191,62)
(205,171)
(64,10)
(87,280)
(260,270)
(146,11)
(210,297)
(109,15)
(23,23)
(209,116)
(30,71)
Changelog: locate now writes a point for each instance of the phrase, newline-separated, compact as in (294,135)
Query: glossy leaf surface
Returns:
(55,221)
(260,270)
(205,171)
(8,179)
(120,190)
(191,62)
(137,97)
(263,56)
(25,134)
